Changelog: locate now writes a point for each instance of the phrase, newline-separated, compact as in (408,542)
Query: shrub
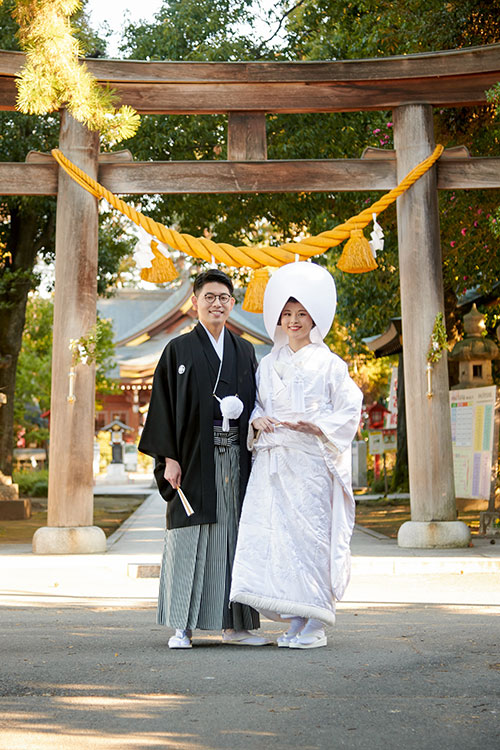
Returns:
(32,483)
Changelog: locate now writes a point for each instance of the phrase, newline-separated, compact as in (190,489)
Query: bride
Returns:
(292,560)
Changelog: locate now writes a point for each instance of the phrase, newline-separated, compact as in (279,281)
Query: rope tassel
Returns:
(357,256)
(254,297)
(162,267)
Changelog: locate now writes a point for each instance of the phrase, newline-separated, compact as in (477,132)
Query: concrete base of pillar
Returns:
(434,534)
(69,540)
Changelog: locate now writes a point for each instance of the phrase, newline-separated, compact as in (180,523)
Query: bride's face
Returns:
(297,324)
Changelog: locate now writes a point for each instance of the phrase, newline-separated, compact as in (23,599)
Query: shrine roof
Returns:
(388,342)
(144,321)
(134,311)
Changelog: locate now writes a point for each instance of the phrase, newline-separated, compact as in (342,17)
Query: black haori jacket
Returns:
(181,414)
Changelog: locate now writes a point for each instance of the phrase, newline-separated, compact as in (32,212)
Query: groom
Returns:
(183,432)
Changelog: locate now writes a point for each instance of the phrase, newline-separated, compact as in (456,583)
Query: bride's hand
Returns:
(266,424)
(307,427)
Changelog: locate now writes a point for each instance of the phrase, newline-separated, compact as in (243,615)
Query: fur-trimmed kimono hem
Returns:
(285,607)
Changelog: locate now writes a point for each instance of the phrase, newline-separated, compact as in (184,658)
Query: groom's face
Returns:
(213,303)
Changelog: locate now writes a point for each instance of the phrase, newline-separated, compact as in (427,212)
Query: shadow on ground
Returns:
(399,675)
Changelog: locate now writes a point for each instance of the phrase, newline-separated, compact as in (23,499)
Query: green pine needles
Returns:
(55,77)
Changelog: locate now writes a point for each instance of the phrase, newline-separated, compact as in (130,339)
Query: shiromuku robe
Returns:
(292,555)
(181,417)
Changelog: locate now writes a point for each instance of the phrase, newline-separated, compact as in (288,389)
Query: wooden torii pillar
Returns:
(430,458)
(71,482)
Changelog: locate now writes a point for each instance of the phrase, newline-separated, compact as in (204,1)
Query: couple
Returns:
(287,557)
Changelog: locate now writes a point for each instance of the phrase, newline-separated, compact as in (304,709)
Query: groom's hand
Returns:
(172,472)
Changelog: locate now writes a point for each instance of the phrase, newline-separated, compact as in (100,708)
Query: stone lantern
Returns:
(116,469)
(474,353)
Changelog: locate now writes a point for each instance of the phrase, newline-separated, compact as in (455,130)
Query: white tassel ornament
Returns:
(231,407)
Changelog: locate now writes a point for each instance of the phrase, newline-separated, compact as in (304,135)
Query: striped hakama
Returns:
(197,561)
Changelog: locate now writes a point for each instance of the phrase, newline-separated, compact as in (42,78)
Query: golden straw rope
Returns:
(254,257)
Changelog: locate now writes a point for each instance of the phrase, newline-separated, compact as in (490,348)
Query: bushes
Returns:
(32,483)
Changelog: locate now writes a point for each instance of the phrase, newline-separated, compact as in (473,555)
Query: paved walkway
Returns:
(413,660)
(128,571)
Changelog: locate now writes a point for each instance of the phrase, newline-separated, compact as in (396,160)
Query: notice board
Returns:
(472,433)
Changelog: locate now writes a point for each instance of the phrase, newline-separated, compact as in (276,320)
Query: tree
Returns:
(34,369)
(27,232)
(32,398)
(330,29)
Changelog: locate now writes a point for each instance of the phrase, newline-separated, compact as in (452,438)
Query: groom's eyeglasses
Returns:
(223,298)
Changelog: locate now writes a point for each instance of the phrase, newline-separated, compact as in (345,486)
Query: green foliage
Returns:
(34,370)
(331,29)
(493,96)
(243,219)
(26,233)
(197,31)
(439,340)
(105,359)
(116,246)
(32,397)
(85,349)
(105,451)
(327,29)
(373,376)
(32,483)
(53,75)
(208,30)
(12,285)
(354,29)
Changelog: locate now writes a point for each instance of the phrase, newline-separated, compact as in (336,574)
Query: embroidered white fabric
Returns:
(293,553)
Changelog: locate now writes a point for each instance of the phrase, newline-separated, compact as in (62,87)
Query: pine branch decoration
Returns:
(439,340)
(55,77)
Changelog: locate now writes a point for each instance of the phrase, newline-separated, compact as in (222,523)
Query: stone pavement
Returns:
(128,571)
(413,660)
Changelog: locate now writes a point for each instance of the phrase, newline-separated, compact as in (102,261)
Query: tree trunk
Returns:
(16,280)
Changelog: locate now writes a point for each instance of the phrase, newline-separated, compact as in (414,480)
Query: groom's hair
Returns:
(213,274)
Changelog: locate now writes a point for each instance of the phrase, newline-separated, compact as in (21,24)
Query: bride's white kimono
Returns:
(292,555)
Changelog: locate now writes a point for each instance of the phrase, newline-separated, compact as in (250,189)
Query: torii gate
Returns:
(410,85)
